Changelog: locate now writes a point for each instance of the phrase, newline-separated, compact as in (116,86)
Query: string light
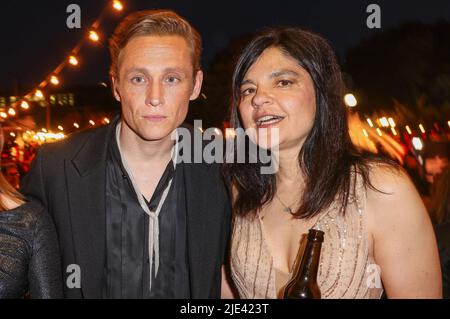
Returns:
(370,122)
(106,120)
(76,125)
(93,36)
(365,133)
(48,136)
(60,128)
(384,122)
(391,122)
(379,132)
(394,131)
(44,130)
(422,129)
(11,111)
(417,143)
(350,100)
(12,134)
(38,94)
(92,122)
(54,80)
(408,130)
(448,122)
(117,5)
(24,105)
(73,60)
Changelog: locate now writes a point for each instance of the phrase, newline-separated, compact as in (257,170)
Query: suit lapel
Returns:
(86,182)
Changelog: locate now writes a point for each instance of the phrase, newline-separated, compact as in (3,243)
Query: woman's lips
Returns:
(270,123)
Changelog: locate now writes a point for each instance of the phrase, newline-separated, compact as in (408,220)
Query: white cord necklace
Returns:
(153,220)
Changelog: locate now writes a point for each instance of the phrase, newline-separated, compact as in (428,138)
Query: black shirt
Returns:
(127,267)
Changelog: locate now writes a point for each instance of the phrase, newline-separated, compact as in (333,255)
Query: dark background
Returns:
(405,65)
(34,37)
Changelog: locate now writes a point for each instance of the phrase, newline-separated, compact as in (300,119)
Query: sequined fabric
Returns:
(346,269)
(29,256)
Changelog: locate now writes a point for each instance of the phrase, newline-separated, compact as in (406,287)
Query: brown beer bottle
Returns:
(303,284)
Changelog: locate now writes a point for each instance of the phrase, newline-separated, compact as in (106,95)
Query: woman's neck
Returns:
(289,171)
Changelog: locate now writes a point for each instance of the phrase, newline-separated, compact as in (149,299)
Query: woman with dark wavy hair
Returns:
(378,236)
(29,255)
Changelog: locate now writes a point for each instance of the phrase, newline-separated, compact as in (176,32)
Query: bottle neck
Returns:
(308,268)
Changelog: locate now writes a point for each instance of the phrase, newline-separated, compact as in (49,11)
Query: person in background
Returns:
(439,209)
(29,253)
(436,158)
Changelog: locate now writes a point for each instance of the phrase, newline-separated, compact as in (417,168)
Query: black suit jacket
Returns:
(68,178)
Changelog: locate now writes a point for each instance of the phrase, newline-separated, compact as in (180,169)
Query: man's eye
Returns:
(172,79)
(283,83)
(138,79)
(248,91)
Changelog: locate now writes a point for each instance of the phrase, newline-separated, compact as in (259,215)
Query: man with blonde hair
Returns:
(137,223)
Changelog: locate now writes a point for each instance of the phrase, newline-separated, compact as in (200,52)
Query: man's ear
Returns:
(115,90)
(197,85)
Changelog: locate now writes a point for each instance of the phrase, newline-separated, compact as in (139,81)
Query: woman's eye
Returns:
(248,91)
(283,83)
(138,79)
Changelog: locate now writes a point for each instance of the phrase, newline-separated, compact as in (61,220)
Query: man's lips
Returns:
(155,118)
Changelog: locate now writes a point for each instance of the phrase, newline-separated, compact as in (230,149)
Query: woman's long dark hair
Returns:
(328,155)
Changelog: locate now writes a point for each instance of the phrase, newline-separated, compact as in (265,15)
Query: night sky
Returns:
(34,38)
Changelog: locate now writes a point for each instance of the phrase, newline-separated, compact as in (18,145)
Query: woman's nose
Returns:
(261,98)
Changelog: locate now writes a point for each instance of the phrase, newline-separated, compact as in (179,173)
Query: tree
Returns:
(408,65)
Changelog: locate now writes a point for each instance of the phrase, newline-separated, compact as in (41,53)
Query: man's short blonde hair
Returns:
(153,22)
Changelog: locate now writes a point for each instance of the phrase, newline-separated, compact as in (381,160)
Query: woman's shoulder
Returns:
(388,178)
(389,184)
(23,225)
(26,214)
(393,199)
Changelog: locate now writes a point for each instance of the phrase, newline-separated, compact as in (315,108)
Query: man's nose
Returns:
(154,96)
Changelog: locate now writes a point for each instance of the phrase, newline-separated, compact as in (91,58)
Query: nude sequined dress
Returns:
(346,269)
